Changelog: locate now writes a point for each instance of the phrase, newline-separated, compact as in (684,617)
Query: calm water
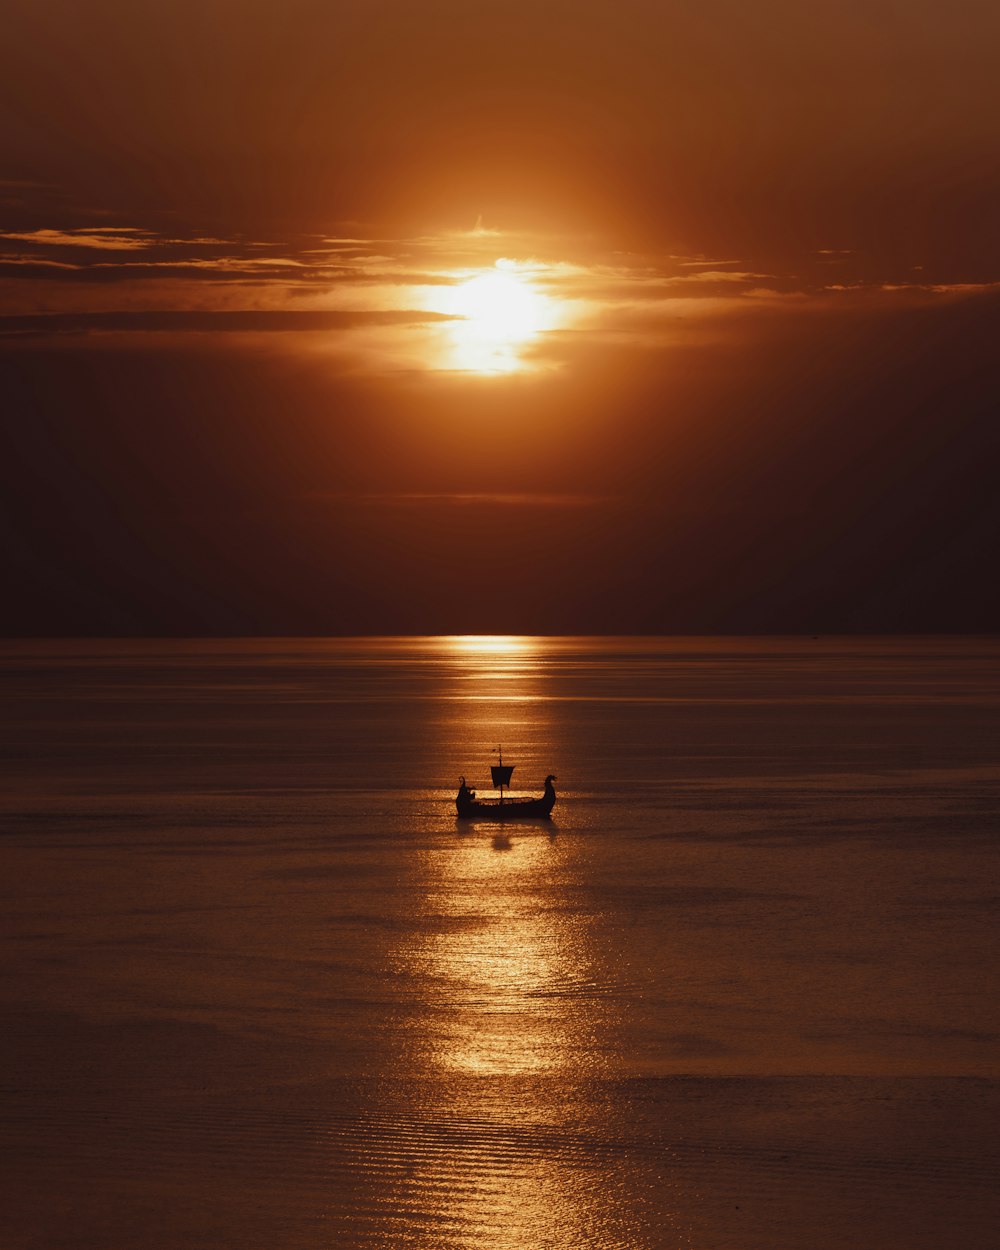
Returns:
(262,990)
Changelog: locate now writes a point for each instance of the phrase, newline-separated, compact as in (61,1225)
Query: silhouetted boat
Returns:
(468,806)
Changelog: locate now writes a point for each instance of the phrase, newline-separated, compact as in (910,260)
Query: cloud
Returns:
(79,278)
(523,499)
(102,238)
(39,262)
(259,321)
(701,261)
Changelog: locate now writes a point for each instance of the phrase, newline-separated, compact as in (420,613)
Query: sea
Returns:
(261,988)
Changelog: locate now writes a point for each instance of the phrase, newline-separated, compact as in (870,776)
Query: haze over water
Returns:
(264,990)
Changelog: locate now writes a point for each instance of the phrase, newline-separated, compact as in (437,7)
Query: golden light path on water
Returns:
(504,959)
(512,1036)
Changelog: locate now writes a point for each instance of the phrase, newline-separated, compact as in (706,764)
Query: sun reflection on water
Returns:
(489,645)
(507,1051)
(505,964)
(507,959)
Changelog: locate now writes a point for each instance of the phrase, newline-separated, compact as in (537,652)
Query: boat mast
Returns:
(501,775)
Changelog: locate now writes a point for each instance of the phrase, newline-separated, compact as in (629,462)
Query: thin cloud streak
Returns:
(101,238)
(281,321)
(411,499)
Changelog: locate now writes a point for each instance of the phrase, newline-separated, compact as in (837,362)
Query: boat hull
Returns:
(509,809)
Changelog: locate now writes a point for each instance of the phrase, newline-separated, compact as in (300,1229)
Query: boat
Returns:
(469,807)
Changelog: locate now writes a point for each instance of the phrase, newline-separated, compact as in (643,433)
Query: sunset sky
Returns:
(414,316)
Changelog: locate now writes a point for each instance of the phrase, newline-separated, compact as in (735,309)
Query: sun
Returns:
(501,305)
(498,312)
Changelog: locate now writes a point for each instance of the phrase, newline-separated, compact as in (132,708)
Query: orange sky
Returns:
(553,316)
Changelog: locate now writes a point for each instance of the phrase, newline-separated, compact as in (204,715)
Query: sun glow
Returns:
(499,312)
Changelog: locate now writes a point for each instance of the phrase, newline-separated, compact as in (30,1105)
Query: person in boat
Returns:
(465,795)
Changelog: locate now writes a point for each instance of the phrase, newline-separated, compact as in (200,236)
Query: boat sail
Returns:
(501,774)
